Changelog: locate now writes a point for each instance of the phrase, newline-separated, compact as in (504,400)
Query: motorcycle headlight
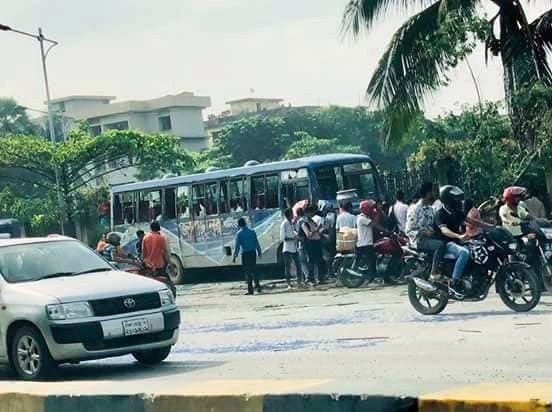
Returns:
(513,246)
(75,310)
(167,298)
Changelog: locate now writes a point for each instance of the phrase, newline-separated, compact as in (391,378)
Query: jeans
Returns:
(462,256)
(314,253)
(288,258)
(366,256)
(435,247)
(249,264)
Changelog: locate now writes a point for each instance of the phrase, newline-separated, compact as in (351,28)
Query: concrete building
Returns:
(253,105)
(179,115)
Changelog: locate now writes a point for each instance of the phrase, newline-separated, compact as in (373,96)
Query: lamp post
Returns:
(43,55)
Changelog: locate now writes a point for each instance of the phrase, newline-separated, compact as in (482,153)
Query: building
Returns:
(253,105)
(180,115)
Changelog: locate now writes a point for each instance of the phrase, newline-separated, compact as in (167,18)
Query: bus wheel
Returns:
(176,271)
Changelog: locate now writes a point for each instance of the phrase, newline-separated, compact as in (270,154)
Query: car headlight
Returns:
(75,310)
(167,298)
(513,246)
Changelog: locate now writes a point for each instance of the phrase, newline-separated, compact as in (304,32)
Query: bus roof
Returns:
(313,161)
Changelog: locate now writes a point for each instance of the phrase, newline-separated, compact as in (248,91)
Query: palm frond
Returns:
(361,14)
(542,29)
(407,73)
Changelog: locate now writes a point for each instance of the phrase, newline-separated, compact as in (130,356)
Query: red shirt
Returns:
(154,248)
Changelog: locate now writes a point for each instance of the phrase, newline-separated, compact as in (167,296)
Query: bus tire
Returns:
(176,270)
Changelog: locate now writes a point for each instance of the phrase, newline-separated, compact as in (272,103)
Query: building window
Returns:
(117,125)
(96,130)
(165,123)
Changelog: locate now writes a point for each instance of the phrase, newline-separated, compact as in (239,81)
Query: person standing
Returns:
(365,253)
(140,235)
(346,218)
(288,237)
(246,241)
(155,251)
(313,246)
(399,210)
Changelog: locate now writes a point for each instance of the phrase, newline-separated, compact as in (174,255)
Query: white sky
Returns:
(136,49)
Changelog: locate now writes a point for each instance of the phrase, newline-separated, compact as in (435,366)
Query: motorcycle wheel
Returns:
(427,303)
(513,289)
(350,281)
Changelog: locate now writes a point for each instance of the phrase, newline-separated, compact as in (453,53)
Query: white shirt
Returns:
(400,209)
(345,219)
(319,220)
(287,231)
(365,231)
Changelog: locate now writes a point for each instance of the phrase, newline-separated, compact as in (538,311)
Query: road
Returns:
(335,340)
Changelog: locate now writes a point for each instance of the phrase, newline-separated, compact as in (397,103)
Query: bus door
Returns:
(238,193)
(185,223)
(265,213)
(294,187)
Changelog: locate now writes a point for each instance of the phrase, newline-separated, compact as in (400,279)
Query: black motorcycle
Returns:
(493,260)
(537,249)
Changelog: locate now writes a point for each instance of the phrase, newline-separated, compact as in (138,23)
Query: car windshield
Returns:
(34,261)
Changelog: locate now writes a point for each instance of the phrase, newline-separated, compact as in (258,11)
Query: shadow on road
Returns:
(121,371)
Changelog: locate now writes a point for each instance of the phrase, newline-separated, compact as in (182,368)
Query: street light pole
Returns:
(43,55)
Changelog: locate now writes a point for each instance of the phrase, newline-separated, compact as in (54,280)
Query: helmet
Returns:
(452,197)
(113,239)
(368,208)
(513,194)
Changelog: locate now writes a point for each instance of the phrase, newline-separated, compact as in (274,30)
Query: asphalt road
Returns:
(333,340)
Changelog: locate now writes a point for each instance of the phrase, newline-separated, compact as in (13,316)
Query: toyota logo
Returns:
(129,303)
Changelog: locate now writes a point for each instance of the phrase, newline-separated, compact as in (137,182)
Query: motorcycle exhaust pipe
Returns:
(424,285)
(352,272)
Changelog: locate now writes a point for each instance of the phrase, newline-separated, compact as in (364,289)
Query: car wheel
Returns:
(30,356)
(152,356)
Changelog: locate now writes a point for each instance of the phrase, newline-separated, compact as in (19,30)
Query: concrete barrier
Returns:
(479,398)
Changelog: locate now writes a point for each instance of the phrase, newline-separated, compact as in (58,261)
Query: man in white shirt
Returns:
(400,210)
(288,237)
(365,253)
(346,218)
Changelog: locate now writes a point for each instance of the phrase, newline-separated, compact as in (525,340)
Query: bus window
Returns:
(258,192)
(223,204)
(149,206)
(295,187)
(169,204)
(238,195)
(271,194)
(327,182)
(211,198)
(198,205)
(183,202)
(360,176)
(124,209)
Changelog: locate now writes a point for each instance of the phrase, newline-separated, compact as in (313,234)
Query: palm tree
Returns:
(411,68)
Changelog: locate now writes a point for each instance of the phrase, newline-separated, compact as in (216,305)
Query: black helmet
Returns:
(452,197)
(113,239)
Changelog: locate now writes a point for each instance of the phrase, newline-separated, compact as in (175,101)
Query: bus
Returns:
(198,213)
(11,228)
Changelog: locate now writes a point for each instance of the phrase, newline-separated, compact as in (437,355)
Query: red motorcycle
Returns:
(390,250)
(139,267)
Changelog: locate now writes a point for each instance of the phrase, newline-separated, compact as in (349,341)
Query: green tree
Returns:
(14,119)
(308,145)
(436,39)
(82,159)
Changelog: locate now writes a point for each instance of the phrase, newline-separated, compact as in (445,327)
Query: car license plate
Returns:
(135,326)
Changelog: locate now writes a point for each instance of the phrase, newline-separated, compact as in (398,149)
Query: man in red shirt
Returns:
(155,252)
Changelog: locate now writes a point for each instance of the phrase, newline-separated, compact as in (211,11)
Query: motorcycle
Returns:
(139,267)
(493,261)
(344,264)
(537,249)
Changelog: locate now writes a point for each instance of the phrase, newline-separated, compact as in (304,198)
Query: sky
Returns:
(139,49)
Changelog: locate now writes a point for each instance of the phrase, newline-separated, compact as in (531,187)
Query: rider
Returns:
(449,220)
(511,212)
(112,251)
(365,253)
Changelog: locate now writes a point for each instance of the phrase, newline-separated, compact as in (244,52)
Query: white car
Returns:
(60,302)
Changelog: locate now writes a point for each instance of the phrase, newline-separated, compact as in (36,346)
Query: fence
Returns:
(406,181)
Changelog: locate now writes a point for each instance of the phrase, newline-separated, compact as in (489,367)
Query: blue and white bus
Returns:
(198,213)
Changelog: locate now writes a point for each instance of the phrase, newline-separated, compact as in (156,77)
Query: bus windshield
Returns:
(332,179)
